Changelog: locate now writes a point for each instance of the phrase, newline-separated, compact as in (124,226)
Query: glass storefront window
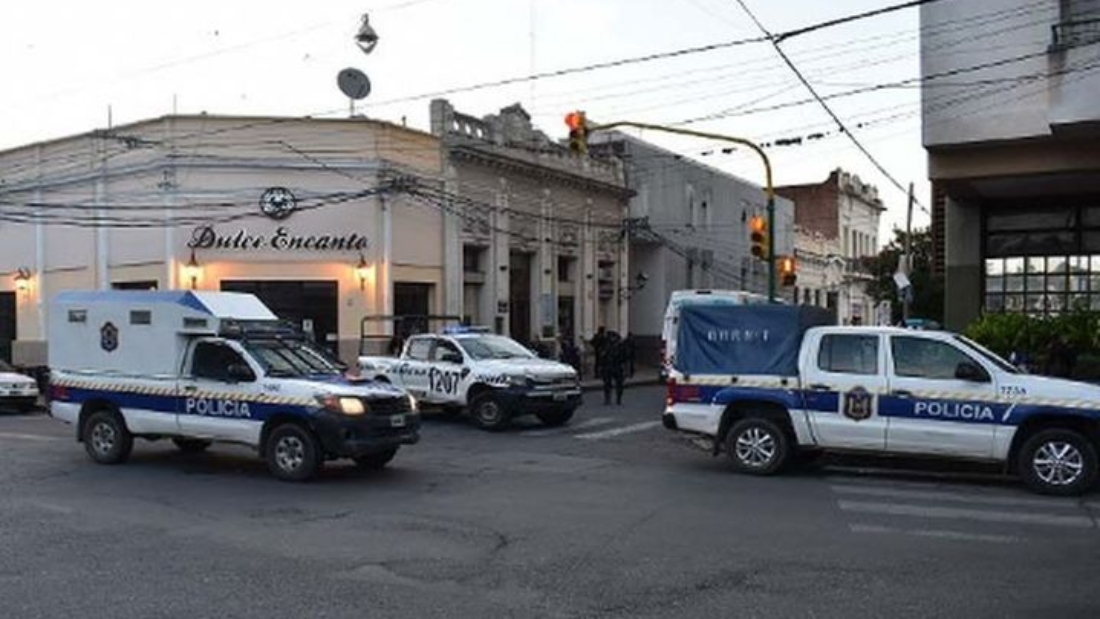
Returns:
(995,266)
(1036,265)
(1044,285)
(1016,265)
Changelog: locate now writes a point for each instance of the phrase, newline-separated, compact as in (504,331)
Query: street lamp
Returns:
(366,38)
(191,270)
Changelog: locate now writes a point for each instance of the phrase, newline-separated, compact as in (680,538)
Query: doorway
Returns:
(519,297)
(311,305)
(7,324)
(412,304)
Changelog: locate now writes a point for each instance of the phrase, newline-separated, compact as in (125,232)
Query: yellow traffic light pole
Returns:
(769,188)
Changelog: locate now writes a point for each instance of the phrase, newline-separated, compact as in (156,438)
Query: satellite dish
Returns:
(353,83)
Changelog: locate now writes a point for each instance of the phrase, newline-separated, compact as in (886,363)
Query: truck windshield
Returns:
(989,355)
(289,358)
(494,347)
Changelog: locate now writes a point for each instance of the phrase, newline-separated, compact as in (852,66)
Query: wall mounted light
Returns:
(23,279)
(362,271)
(192,270)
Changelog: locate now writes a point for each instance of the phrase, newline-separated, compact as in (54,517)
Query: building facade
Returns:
(689,229)
(539,249)
(301,212)
(1013,154)
(837,228)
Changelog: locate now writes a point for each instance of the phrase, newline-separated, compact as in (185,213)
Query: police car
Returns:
(764,382)
(493,377)
(200,367)
(17,391)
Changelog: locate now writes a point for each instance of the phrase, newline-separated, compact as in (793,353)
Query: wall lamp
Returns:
(192,270)
(23,279)
(362,271)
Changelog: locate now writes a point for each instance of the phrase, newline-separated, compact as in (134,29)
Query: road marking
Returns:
(16,436)
(923,511)
(591,423)
(938,495)
(937,533)
(638,427)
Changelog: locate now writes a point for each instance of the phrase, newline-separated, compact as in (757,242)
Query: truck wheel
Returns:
(489,413)
(556,418)
(106,439)
(191,445)
(1058,461)
(292,453)
(376,461)
(757,446)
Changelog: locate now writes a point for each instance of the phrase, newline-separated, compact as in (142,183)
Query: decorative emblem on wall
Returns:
(278,202)
(108,337)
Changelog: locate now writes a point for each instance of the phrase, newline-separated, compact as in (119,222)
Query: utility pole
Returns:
(908,255)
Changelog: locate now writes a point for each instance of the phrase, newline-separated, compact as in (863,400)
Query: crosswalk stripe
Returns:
(937,533)
(938,495)
(591,423)
(929,511)
(637,427)
(16,436)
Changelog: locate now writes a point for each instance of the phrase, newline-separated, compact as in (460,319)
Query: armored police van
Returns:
(200,367)
(492,376)
(762,382)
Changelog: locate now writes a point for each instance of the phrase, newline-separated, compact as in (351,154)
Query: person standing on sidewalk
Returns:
(629,350)
(599,342)
(612,365)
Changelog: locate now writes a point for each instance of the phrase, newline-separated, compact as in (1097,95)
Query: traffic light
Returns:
(787,275)
(578,132)
(759,237)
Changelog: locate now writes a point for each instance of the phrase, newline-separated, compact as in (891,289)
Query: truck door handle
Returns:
(820,387)
(901,393)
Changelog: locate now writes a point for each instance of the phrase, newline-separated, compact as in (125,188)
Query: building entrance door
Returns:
(412,303)
(7,324)
(312,305)
(519,297)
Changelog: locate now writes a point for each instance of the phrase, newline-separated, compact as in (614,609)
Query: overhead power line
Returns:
(829,110)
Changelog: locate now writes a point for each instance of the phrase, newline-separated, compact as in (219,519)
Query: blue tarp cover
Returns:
(743,339)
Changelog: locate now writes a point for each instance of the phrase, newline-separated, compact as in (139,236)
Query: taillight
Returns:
(670,392)
(58,392)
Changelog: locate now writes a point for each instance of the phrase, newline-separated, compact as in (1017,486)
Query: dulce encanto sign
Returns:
(206,237)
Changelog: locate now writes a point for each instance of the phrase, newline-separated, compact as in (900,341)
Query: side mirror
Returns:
(240,373)
(971,372)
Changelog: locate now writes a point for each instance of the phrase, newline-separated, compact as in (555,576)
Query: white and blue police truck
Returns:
(492,377)
(765,382)
(203,367)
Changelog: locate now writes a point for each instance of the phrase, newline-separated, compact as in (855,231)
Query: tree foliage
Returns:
(927,290)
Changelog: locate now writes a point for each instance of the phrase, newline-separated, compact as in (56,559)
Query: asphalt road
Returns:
(612,516)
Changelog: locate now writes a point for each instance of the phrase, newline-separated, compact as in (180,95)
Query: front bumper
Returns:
(344,436)
(527,401)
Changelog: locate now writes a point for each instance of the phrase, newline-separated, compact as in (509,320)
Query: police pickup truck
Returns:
(763,382)
(199,367)
(491,376)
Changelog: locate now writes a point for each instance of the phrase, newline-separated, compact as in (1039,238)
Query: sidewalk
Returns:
(643,376)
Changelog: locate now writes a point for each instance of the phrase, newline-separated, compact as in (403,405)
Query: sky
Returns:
(73,66)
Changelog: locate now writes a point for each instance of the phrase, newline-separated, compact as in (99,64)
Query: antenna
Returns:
(355,85)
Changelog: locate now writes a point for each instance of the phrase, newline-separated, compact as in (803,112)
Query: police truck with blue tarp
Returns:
(764,382)
(200,367)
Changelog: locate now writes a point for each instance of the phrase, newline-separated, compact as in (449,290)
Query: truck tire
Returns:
(191,445)
(106,439)
(556,418)
(292,453)
(1058,461)
(757,446)
(489,413)
(375,461)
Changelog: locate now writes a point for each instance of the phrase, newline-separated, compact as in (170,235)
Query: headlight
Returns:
(414,404)
(344,405)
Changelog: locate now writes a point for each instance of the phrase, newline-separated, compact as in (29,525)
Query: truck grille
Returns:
(388,406)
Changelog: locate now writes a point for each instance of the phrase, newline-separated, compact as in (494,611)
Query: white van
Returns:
(679,298)
(200,367)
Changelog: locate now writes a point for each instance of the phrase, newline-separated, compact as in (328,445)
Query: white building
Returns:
(837,229)
(1010,124)
(690,229)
